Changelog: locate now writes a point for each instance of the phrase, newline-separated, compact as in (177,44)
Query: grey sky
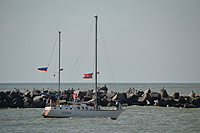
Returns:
(147,40)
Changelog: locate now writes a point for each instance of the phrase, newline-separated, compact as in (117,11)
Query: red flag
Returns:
(88,76)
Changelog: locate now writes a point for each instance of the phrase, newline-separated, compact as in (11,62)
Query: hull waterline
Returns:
(79,111)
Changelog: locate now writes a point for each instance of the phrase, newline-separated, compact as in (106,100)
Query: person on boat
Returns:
(75,97)
(117,104)
(51,102)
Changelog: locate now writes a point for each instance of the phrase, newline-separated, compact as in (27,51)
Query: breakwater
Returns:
(37,99)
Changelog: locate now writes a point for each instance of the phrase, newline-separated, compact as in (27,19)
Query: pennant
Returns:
(43,68)
(88,76)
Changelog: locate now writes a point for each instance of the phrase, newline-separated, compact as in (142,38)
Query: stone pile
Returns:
(37,99)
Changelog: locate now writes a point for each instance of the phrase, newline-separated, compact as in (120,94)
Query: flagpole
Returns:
(95,72)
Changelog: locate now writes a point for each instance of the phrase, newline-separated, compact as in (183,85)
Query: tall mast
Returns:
(59,32)
(95,71)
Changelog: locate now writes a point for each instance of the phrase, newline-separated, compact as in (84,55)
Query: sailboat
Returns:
(81,110)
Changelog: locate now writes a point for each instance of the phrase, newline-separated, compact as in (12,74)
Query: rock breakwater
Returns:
(37,99)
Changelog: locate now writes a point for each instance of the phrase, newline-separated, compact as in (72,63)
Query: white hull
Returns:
(79,111)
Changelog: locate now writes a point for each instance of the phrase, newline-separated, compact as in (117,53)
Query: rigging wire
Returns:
(79,60)
(76,24)
(55,67)
(50,58)
(80,56)
(55,46)
(53,50)
(106,53)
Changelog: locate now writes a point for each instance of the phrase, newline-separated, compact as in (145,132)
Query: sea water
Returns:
(135,119)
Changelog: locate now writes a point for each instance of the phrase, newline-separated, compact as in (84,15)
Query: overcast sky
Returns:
(146,40)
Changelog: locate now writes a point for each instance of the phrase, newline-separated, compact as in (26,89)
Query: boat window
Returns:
(66,108)
(82,107)
(78,107)
(54,108)
(60,108)
(70,108)
(86,108)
